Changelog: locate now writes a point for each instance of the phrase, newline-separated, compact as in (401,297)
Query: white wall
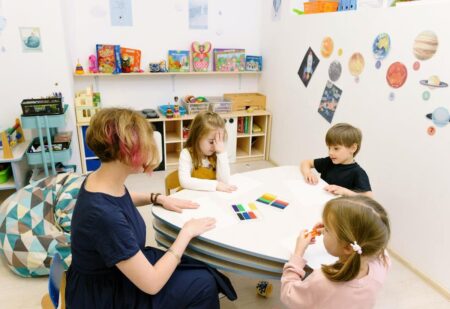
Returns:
(408,169)
(34,74)
(70,31)
(157,27)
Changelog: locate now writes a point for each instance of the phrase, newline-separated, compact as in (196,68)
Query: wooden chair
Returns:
(172,182)
(56,285)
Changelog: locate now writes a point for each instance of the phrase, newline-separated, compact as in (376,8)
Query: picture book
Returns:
(253,63)
(229,60)
(108,58)
(200,56)
(179,61)
(130,60)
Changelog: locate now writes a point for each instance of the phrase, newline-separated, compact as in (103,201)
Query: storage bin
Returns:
(195,108)
(58,155)
(320,7)
(244,101)
(41,107)
(53,121)
(5,174)
(163,109)
(219,104)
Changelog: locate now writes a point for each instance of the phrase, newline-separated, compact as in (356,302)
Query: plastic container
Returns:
(5,174)
(219,105)
(163,109)
(59,155)
(320,7)
(195,108)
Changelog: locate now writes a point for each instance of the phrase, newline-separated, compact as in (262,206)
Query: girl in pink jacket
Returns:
(356,230)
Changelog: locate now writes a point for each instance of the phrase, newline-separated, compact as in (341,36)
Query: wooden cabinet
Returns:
(249,146)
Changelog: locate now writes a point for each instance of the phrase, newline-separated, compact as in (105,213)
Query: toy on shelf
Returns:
(9,139)
(176,108)
(200,56)
(87,103)
(93,65)
(79,68)
(229,60)
(169,112)
(158,67)
(253,63)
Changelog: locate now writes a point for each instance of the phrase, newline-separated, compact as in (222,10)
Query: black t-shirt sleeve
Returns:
(115,240)
(362,183)
(322,164)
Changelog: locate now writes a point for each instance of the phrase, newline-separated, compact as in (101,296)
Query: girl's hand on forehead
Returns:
(219,145)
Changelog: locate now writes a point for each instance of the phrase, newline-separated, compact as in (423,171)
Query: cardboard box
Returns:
(243,101)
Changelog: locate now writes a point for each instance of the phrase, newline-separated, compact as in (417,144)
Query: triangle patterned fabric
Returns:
(35,224)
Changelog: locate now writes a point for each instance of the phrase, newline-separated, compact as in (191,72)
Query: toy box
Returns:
(179,61)
(87,103)
(163,109)
(244,101)
(229,60)
(5,172)
(320,6)
(219,104)
(46,106)
(130,60)
(108,57)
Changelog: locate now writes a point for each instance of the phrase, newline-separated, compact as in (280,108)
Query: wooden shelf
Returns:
(164,74)
(172,137)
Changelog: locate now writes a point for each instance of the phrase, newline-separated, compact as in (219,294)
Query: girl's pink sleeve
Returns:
(295,293)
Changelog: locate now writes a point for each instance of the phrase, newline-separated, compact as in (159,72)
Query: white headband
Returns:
(356,247)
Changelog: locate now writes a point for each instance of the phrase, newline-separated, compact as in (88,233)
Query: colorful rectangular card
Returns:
(246,212)
(229,60)
(108,58)
(270,199)
(131,60)
(330,99)
(253,63)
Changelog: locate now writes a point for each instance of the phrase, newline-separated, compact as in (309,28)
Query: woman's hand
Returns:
(195,227)
(175,204)
(304,239)
(221,186)
(219,145)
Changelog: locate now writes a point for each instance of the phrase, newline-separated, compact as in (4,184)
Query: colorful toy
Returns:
(9,140)
(246,213)
(93,65)
(264,288)
(169,112)
(179,61)
(108,57)
(271,200)
(130,60)
(176,111)
(200,56)
(79,68)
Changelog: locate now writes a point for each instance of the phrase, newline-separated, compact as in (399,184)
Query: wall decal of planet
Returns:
(431,130)
(425,45)
(340,52)
(396,74)
(381,46)
(440,117)
(356,64)
(326,49)
(335,70)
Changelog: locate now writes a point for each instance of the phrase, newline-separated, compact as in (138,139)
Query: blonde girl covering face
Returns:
(204,163)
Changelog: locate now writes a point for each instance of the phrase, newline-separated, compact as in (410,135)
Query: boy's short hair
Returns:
(344,134)
(122,134)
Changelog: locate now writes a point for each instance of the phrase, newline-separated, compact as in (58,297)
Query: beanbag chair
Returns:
(35,224)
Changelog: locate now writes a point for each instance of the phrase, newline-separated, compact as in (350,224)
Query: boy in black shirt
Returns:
(343,175)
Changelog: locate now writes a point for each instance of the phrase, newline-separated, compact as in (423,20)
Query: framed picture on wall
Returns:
(31,39)
(308,66)
(330,99)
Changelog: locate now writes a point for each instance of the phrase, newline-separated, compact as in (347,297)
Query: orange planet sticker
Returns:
(326,49)
(356,64)
(431,130)
(396,75)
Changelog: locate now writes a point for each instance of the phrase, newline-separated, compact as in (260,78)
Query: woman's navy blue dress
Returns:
(107,230)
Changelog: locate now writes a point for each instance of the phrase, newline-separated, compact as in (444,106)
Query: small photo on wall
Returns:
(31,39)
(330,99)
(308,66)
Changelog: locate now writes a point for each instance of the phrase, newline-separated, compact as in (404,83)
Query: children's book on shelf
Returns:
(200,56)
(229,60)
(253,63)
(108,57)
(130,59)
(179,61)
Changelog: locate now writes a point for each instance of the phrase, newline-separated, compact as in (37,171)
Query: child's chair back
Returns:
(172,182)
(56,284)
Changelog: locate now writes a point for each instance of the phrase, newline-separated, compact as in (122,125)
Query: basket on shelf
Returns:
(320,6)
(195,108)
(219,104)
